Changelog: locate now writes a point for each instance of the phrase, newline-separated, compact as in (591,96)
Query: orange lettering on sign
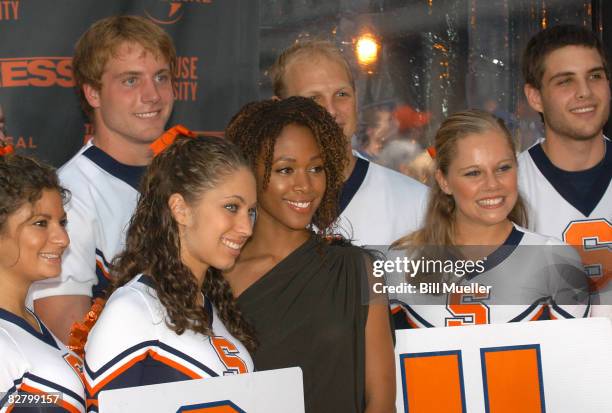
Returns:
(512,380)
(37,72)
(9,10)
(14,74)
(425,375)
(223,406)
(42,72)
(21,142)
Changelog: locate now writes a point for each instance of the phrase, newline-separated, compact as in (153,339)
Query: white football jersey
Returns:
(556,210)
(35,362)
(379,205)
(131,345)
(531,277)
(103,198)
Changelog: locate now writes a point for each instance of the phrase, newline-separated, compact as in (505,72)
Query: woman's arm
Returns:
(380,360)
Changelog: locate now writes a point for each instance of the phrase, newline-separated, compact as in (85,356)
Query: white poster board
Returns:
(272,391)
(545,366)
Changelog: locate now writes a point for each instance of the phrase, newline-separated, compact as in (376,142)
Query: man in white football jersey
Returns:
(566,177)
(123,67)
(377,205)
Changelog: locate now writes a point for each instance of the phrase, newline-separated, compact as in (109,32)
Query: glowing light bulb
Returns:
(367,49)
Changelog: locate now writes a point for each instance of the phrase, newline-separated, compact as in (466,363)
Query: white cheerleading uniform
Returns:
(531,277)
(34,363)
(131,345)
(583,221)
(379,205)
(104,194)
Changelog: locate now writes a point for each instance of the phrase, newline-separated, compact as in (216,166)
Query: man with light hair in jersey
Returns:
(377,205)
(123,68)
(566,177)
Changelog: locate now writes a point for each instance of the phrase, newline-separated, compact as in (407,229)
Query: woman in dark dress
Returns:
(308,297)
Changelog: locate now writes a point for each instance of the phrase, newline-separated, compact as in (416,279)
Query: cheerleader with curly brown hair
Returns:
(306,296)
(171,315)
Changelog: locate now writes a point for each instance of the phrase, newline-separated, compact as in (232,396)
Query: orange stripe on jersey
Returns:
(538,314)
(410,322)
(150,353)
(62,403)
(193,375)
(398,309)
(100,265)
(214,409)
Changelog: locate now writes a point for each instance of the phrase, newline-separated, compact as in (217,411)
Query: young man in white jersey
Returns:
(123,68)
(566,177)
(377,204)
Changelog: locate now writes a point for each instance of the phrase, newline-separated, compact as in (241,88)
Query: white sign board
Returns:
(543,366)
(271,391)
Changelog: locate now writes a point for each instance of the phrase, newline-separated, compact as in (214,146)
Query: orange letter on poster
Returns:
(512,379)
(433,382)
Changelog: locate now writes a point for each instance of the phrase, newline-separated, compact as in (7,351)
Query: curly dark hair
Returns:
(22,180)
(189,167)
(257,125)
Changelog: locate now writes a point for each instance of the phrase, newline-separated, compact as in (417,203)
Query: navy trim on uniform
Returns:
(151,343)
(588,309)
(501,253)
(417,316)
(146,280)
(44,382)
(62,389)
(353,183)
(554,175)
(127,173)
(10,391)
(99,290)
(209,311)
(143,373)
(529,309)
(561,311)
(44,334)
